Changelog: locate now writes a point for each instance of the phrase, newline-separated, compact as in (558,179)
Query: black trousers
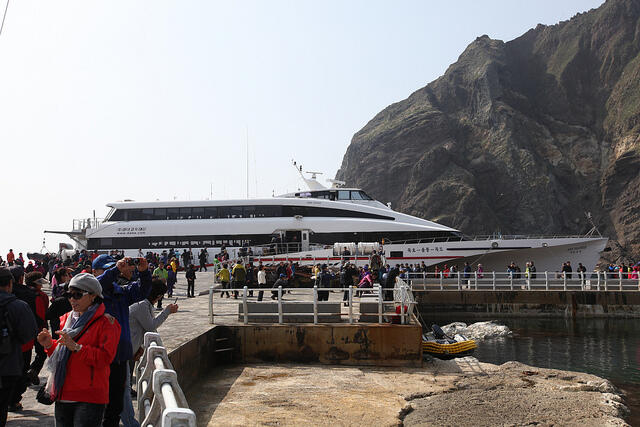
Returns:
(22,382)
(190,288)
(38,361)
(117,379)
(7,384)
(203,265)
(77,414)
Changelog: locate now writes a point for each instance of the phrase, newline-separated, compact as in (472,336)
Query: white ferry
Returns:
(316,226)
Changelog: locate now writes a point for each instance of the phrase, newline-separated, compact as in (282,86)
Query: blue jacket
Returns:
(118,298)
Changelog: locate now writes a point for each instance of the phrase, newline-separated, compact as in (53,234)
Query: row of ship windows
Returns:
(151,242)
(213,212)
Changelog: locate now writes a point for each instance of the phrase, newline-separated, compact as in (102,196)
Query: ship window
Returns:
(211,212)
(268,211)
(365,196)
(105,243)
(185,213)
(147,214)
(249,212)
(355,195)
(173,213)
(235,211)
(160,213)
(343,195)
(118,215)
(197,213)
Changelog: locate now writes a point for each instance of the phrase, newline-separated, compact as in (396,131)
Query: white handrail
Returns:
(161,401)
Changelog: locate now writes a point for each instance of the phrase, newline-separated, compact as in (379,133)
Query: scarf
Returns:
(58,361)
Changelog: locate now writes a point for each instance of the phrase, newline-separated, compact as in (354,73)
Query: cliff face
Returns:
(520,137)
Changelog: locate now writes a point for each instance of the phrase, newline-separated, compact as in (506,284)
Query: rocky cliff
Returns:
(520,137)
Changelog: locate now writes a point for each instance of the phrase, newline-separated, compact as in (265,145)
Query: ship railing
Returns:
(302,305)
(534,281)
(84,223)
(488,237)
(161,401)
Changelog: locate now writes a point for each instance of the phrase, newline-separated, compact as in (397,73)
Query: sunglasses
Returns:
(75,294)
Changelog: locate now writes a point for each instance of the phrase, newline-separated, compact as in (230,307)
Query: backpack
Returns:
(6,329)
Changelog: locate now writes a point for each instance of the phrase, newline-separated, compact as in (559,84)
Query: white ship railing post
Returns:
(606,284)
(598,276)
(564,281)
(546,280)
(211,305)
(475,279)
(315,304)
(494,279)
(459,283)
(245,306)
(402,302)
(511,280)
(620,274)
(280,317)
(350,304)
(441,280)
(380,305)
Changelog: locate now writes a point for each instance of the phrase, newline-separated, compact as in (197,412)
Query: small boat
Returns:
(440,345)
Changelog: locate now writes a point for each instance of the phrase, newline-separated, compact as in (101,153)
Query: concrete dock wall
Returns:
(343,344)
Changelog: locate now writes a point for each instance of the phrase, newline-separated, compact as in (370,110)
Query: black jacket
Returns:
(24,329)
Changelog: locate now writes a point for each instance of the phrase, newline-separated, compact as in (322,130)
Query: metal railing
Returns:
(161,402)
(83,224)
(403,302)
(546,280)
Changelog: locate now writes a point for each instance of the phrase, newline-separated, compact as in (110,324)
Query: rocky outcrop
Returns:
(520,137)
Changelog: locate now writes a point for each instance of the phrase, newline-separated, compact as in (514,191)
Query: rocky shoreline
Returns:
(457,392)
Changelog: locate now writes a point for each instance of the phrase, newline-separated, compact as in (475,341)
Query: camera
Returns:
(133,261)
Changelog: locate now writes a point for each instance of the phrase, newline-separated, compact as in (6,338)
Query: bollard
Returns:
(245,306)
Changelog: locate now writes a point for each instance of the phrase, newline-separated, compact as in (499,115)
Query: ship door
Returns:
(304,240)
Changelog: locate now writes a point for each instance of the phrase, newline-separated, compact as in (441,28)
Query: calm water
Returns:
(608,348)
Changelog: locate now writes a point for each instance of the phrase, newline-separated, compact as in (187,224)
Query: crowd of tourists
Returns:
(89,332)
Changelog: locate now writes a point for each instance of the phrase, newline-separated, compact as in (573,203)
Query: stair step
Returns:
(220,350)
(221,339)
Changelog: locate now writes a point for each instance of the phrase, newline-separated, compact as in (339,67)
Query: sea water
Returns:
(608,348)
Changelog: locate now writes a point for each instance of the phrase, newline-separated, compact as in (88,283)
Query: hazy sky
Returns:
(145,100)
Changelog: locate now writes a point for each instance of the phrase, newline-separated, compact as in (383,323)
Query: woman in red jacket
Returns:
(80,358)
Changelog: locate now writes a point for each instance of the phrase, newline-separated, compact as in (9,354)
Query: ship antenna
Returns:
(594,229)
(247,161)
